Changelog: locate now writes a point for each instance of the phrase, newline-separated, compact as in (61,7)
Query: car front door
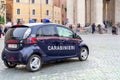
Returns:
(68,45)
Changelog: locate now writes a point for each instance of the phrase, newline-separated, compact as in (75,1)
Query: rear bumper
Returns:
(13,56)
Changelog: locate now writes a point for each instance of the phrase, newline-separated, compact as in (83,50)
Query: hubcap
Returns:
(35,63)
(11,64)
(84,53)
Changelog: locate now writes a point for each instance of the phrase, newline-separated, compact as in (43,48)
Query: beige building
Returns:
(57,15)
(3,8)
(93,11)
(62,4)
(25,10)
(50,11)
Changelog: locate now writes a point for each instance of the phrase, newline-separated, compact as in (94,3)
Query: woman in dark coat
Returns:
(115,30)
(93,28)
(0,31)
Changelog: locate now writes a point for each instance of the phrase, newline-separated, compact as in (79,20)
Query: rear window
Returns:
(16,33)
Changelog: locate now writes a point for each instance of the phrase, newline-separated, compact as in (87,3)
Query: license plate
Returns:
(12,46)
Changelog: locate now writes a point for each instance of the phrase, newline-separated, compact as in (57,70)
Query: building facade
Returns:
(63,5)
(93,11)
(56,15)
(25,10)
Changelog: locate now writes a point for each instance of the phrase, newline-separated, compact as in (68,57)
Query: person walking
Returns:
(5,30)
(100,29)
(115,30)
(0,31)
(70,26)
(93,28)
(78,28)
(19,22)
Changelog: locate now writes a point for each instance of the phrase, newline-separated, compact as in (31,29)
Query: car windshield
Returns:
(15,33)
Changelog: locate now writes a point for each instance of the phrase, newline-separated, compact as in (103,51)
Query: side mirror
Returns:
(74,35)
(77,36)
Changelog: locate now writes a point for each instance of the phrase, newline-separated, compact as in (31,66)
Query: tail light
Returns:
(12,58)
(12,41)
(31,41)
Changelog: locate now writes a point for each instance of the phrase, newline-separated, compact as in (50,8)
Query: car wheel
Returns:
(10,64)
(83,55)
(34,63)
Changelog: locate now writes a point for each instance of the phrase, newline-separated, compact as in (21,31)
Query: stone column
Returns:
(75,17)
(97,11)
(117,11)
(81,12)
(70,11)
(93,12)
(88,11)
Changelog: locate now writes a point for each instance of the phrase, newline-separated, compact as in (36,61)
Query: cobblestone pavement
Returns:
(103,63)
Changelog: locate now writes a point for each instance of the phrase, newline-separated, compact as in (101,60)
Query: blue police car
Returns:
(34,44)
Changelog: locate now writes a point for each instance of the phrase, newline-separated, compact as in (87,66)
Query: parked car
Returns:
(34,44)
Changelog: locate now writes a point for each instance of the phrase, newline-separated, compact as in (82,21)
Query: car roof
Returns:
(42,24)
(37,25)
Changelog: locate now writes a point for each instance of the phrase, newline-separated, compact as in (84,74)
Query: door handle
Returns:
(41,40)
(63,41)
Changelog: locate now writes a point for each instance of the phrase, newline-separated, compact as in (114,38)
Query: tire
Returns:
(83,55)
(9,64)
(34,63)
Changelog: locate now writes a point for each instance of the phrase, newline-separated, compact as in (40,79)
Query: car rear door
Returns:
(47,40)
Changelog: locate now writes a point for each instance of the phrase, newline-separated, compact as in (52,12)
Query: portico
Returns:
(93,11)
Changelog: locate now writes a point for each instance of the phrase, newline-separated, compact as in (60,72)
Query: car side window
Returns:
(64,32)
(47,31)
(39,33)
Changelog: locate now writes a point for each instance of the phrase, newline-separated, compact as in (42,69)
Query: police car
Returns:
(34,44)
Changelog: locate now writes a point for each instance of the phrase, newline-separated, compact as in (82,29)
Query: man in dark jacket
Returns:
(93,28)
(114,30)
(0,31)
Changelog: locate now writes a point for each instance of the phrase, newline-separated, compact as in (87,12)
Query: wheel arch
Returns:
(84,45)
(36,53)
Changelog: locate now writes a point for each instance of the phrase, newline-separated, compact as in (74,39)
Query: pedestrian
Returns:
(0,30)
(106,25)
(100,29)
(5,30)
(78,28)
(114,30)
(19,22)
(7,26)
(70,26)
(93,28)
(78,25)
